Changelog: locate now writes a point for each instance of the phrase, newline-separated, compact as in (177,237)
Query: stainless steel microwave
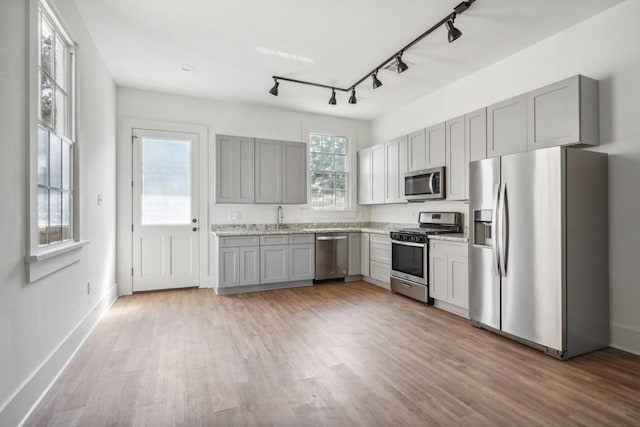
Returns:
(427,184)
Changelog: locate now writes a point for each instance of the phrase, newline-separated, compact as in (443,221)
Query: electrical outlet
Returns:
(235,215)
(88,287)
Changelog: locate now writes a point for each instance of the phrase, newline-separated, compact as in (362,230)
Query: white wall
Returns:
(42,323)
(604,47)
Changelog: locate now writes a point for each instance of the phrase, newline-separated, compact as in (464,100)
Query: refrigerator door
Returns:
(531,218)
(484,281)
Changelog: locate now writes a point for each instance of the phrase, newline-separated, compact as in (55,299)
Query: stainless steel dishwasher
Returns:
(332,256)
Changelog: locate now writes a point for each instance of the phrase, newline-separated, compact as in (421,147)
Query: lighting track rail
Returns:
(453,35)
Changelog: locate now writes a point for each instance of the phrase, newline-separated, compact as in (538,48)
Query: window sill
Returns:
(50,260)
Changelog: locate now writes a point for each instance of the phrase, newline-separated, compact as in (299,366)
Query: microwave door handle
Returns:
(495,229)
(431,178)
(504,230)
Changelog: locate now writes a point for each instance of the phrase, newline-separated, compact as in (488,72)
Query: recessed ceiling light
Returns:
(186,67)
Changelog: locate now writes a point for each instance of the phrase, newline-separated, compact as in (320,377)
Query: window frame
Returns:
(54,256)
(348,171)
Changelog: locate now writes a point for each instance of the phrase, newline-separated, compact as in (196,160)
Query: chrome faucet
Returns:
(280,215)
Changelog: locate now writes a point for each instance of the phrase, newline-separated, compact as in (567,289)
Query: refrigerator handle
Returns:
(495,230)
(504,230)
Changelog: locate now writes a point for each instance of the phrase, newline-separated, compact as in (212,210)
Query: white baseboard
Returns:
(624,338)
(376,282)
(17,409)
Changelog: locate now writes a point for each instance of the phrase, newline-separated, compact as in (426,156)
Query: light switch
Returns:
(235,215)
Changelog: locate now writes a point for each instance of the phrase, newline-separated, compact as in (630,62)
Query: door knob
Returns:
(194,220)
(194,229)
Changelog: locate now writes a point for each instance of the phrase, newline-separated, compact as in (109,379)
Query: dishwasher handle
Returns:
(331,237)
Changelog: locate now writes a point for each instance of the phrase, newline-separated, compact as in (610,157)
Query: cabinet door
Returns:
(294,172)
(355,258)
(391,157)
(507,127)
(380,252)
(458,280)
(435,146)
(301,262)
(380,271)
(364,177)
(476,134)
(438,275)
(228,267)
(377,174)
(457,164)
(234,169)
(250,265)
(403,164)
(364,252)
(553,114)
(274,264)
(417,151)
(268,171)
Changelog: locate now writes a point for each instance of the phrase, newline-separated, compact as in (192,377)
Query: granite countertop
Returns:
(222,230)
(452,237)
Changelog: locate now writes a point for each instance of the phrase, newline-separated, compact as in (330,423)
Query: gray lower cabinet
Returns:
(380,257)
(234,169)
(563,113)
(274,264)
(249,265)
(301,262)
(448,273)
(507,127)
(457,163)
(238,266)
(268,171)
(364,253)
(435,146)
(355,257)
(294,173)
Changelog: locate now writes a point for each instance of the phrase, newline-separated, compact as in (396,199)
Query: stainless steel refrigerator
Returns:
(538,249)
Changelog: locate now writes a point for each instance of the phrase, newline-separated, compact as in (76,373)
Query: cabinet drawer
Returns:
(275,239)
(380,252)
(301,239)
(236,241)
(451,248)
(380,238)
(380,271)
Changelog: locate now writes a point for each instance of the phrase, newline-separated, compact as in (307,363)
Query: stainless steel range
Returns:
(410,253)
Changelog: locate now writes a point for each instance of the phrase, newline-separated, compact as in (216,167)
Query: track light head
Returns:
(352,98)
(376,83)
(274,89)
(402,67)
(332,100)
(454,33)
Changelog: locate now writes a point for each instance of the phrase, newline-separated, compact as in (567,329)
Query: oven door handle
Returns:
(416,245)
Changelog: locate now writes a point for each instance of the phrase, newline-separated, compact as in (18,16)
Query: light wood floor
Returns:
(330,355)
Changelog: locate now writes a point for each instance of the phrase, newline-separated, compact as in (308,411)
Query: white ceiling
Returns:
(235,46)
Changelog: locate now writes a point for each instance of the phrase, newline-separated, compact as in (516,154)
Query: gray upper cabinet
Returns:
(476,134)
(268,176)
(563,113)
(364,177)
(377,174)
(234,169)
(294,172)
(395,166)
(417,151)
(507,127)
(457,166)
(435,146)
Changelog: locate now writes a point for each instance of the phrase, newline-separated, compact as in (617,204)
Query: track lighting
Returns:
(332,100)
(402,67)
(352,98)
(376,83)
(452,35)
(274,89)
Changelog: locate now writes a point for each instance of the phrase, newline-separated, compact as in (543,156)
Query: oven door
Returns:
(409,261)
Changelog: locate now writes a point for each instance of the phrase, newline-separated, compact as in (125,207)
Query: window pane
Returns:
(61,112)
(341,182)
(55,216)
(46,100)
(46,47)
(341,200)
(67,167)
(340,145)
(166,182)
(325,162)
(66,216)
(340,163)
(326,144)
(314,142)
(61,65)
(43,157)
(43,215)
(55,162)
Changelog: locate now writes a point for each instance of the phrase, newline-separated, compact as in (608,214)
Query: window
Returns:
(329,170)
(55,136)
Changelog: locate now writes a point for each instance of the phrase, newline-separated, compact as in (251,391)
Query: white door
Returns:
(165,207)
